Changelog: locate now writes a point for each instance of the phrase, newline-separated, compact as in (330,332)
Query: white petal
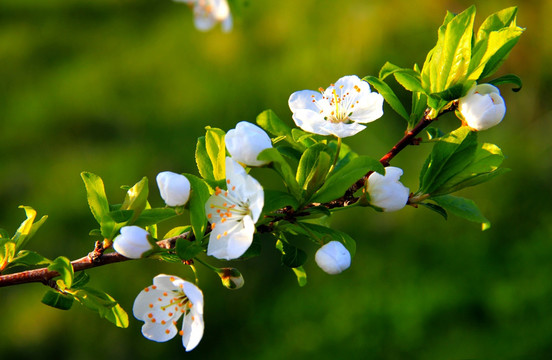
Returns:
(301,100)
(166,282)
(369,108)
(227,24)
(238,238)
(245,142)
(192,328)
(158,332)
(310,121)
(204,21)
(195,295)
(343,130)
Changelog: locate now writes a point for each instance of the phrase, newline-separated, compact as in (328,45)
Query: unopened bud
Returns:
(333,257)
(174,188)
(482,107)
(132,242)
(231,278)
(387,192)
(245,143)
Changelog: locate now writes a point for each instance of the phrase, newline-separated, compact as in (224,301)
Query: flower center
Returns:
(231,206)
(338,107)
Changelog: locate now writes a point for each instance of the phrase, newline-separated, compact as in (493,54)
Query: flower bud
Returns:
(482,107)
(245,142)
(132,242)
(231,278)
(333,257)
(174,188)
(387,192)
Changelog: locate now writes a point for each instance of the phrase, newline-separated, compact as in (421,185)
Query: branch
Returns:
(92,260)
(98,258)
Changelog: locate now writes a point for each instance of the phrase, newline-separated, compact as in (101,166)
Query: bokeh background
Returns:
(124,88)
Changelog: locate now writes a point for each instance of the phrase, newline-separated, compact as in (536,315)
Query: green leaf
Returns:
(154,216)
(102,303)
(450,155)
(495,39)
(270,122)
(121,217)
(307,161)
(29,258)
(275,200)
(198,197)
(483,167)
(216,149)
(291,256)
(448,62)
(179,230)
(508,79)
(136,199)
(7,253)
(419,106)
(388,95)
(203,161)
(313,169)
(99,206)
(305,138)
(57,300)
(63,267)
(80,280)
(27,229)
(283,169)
(436,208)
(463,208)
(340,181)
(257,245)
(186,249)
(301,275)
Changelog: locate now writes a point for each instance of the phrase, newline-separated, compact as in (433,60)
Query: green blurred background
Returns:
(124,88)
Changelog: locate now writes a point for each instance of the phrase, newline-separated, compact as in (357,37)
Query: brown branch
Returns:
(98,258)
(92,260)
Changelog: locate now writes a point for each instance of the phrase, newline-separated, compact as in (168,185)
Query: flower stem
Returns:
(211,267)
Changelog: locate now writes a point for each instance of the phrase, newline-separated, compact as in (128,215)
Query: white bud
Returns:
(132,242)
(245,142)
(333,257)
(174,188)
(482,107)
(387,192)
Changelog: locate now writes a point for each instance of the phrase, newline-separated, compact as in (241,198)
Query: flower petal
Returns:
(300,100)
(192,330)
(229,240)
(158,332)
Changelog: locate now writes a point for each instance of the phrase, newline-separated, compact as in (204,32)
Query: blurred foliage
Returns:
(124,88)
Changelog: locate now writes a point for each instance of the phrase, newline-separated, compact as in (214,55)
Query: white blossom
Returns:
(162,304)
(245,143)
(132,242)
(233,213)
(482,107)
(339,110)
(387,192)
(207,13)
(174,188)
(333,257)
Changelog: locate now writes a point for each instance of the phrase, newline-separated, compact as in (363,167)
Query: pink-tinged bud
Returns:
(174,188)
(245,143)
(482,107)
(387,192)
(333,257)
(132,242)
(231,278)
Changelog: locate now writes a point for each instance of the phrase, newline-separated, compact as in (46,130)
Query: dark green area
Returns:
(123,89)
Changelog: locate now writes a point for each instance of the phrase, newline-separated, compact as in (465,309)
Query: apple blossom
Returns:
(482,107)
(233,213)
(132,242)
(207,13)
(245,142)
(162,304)
(174,188)
(333,257)
(387,192)
(339,110)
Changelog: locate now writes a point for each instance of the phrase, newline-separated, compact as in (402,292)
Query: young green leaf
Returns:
(102,303)
(275,200)
(508,79)
(282,167)
(339,181)
(216,149)
(203,161)
(187,250)
(291,256)
(179,230)
(7,253)
(27,228)
(150,217)
(272,124)
(29,258)
(136,199)
(463,208)
(388,94)
(198,197)
(63,267)
(301,275)
(58,300)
